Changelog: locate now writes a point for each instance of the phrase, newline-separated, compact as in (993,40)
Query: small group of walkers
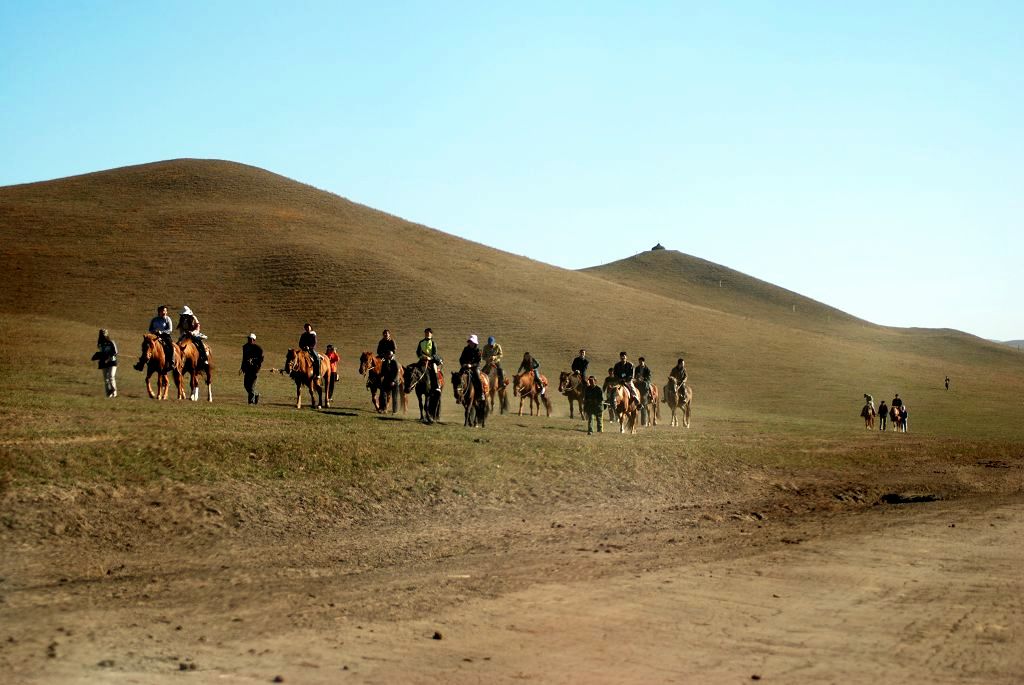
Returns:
(896,410)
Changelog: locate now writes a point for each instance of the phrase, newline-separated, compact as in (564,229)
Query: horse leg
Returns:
(298,395)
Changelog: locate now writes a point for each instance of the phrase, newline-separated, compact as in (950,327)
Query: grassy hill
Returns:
(253,251)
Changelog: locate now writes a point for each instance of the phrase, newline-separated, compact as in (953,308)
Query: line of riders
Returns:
(482,362)
(896,412)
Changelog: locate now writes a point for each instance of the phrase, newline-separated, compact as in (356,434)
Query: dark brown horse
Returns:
(572,386)
(298,364)
(190,367)
(678,399)
(417,377)
(154,360)
(868,414)
(499,390)
(466,394)
(524,386)
(370,366)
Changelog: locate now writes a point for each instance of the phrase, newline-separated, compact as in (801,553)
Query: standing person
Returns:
(624,372)
(307,342)
(593,405)
(161,326)
(580,364)
(389,381)
(642,379)
(332,358)
(491,355)
(386,344)
(947,383)
(252,361)
(610,381)
(106,361)
(426,352)
(530,365)
(883,415)
(470,359)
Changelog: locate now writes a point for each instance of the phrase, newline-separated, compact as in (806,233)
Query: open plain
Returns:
(774,540)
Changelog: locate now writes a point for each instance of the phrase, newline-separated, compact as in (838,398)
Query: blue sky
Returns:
(838,150)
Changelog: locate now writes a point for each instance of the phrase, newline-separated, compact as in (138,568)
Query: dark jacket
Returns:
(384,346)
(106,356)
(470,355)
(593,399)
(580,364)
(679,373)
(623,371)
(252,358)
(307,341)
(534,365)
(642,374)
(388,372)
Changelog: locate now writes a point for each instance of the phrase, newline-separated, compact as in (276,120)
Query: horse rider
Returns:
(580,364)
(642,378)
(870,401)
(307,342)
(624,372)
(106,360)
(252,361)
(530,365)
(426,352)
(188,326)
(386,344)
(161,326)
(896,401)
(470,359)
(491,355)
(678,374)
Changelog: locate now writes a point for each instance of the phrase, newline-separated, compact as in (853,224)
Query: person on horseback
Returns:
(307,342)
(161,326)
(624,372)
(580,364)
(642,378)
(388,378)
(252,361)
(386,344)
(188,327)
(678,374)
(470,359)
(528,365)
(870,401)
(106,360)
(426,352)
(896,401)
(491,355)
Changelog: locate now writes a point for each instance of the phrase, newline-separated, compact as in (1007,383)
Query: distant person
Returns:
(161,326)
(896,401)
(470,359)
(332,358)
(491,355)
(252,362)
(883,415)
(580,364)
(593,405)
(426,352)
(530,365)
(610,381)
(307,342)
(624,372)
(904,418)
(870,401)
(106,361)
(947,383)
(678,373)
(189,327)
(386,344)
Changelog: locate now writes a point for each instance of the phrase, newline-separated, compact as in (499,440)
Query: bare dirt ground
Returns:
(181,585)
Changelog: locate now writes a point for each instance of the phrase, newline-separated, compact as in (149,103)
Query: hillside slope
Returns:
(251,250)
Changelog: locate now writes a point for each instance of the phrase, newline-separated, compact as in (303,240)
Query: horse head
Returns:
(289,362)
(366,360)
(564,382)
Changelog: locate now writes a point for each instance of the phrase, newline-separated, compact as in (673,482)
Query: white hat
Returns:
(252,336)
(472,339)
(185,310)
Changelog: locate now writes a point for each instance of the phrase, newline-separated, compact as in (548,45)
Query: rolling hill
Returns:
(251,250)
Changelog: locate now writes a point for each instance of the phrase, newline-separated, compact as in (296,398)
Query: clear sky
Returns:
(867,154)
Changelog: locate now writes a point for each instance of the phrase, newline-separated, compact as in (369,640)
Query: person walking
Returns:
(883,415)
(332,358)
(389,381)
(106,360)
(593,405)
(252,361)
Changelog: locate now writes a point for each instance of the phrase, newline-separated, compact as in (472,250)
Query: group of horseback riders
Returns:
(189,328)
(896,411)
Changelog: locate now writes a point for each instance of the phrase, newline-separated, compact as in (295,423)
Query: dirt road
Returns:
(927,592)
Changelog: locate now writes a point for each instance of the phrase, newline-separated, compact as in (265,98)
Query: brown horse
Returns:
(370,366)
(626,409)
(898,416)
(525,387)
(572,386)
(417,377)
(189,366)
(499,389)
(154,360)
(298,364)
(868,414)
(677,399)
(465,394)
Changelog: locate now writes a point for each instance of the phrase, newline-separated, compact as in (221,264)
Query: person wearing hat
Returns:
(470,359)
(188,326)
(491,356)
(252,361)
(106,359)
